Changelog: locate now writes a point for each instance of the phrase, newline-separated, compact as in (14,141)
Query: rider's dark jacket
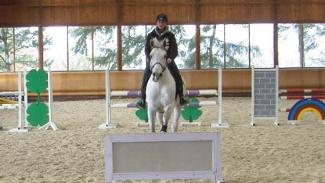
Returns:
(172,50)
(172,53)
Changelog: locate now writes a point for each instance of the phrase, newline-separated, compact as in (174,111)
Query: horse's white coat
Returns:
(161,90)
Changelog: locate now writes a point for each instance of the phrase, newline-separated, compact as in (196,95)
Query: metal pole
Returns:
(20,127)
(220,123)
(108,97)
(50,99)
(252,97)
(19,101)
(25,99)
(50,123)
(220,95)
(108,123)
(276,95)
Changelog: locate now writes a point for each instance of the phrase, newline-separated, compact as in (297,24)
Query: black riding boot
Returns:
(142,102)
(179,82)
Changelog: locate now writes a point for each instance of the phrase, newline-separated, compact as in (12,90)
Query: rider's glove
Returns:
(169,60)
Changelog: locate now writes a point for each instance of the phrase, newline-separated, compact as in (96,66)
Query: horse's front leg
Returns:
(177,112)
(151,119)
(160,119)
(166,116)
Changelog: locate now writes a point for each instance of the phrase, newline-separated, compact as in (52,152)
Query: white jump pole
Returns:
(50,102)
(276,121)
(107,124)
(20,128)
(220,123)
(252,97)
(19,102)
(25,99)
(199,104)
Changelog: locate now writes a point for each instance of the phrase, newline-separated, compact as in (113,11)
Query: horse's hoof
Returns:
(163,128)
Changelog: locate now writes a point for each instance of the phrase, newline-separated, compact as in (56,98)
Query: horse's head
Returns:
(158,60)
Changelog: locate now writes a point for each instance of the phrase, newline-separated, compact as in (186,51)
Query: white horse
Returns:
(161,90)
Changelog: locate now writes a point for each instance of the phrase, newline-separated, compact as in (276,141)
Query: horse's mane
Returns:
(158,51)
(158,45)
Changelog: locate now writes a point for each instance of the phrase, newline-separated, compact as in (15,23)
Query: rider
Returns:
(161,32)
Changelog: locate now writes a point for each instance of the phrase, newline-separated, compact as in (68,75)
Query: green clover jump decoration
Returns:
(142,114)
(191,111)
(38,112)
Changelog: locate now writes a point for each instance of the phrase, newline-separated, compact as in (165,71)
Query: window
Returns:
(314,45)
(261,42)
(105,48)
(185,38)
(288,45)
(237,46)
(229,46)
(6,50)
(26,48)
(212,46)
(133,43)
(81,48)
(55,50)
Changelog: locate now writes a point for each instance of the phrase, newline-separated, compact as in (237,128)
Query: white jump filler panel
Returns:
(162,156)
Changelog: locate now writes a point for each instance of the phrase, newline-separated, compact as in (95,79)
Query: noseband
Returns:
(164,68)
(160,62)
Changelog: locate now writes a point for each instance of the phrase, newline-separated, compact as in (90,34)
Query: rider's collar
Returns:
(163,32)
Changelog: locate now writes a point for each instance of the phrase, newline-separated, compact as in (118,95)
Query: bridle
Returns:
(161,65)
(158,63)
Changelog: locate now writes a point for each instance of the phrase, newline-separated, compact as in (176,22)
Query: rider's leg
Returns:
(178,80)
(147,73)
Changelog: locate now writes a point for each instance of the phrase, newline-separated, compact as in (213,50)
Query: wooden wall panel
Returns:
(113,12)
(76,81)
(79,15)
(93,83)
(145,12)
(234,81)
(299,11)
(8,82)
(303,78)
(30,3)
(235,11)
(19,16)
(237,79)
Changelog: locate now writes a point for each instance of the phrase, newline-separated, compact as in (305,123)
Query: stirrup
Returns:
(183,101)
(141,104)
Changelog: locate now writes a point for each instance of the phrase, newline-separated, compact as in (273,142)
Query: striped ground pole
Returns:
(10,96)
(9,93)
(302,97)
(297,94)
(8,106)
(199,104)
(189,93)
(284,109)
(197,93)
(318,90)
(130,94)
